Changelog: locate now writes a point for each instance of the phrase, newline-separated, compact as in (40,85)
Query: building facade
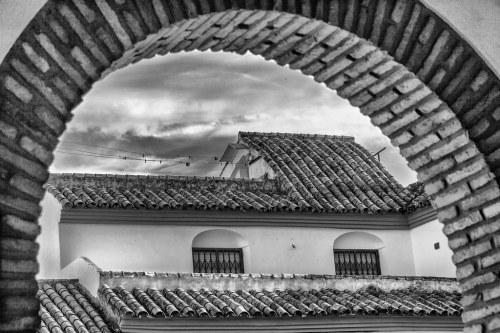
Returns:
(319,216)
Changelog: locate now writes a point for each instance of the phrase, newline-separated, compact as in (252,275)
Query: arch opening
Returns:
(71,45)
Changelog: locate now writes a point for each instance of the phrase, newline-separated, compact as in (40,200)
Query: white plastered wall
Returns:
(428,260)
(168,248)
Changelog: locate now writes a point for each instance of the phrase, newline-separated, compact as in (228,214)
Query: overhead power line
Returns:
(143,154)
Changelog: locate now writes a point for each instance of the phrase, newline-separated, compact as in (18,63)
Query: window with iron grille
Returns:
(356,262)
(210,260)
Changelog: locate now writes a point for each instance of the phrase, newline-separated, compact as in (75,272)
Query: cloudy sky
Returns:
(194,104)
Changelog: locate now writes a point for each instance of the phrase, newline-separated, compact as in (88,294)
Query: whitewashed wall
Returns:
(168,248)
(429,261)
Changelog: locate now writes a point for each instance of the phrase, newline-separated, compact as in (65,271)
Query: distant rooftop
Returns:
(314,173)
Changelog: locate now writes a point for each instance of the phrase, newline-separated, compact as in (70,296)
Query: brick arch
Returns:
(429,99)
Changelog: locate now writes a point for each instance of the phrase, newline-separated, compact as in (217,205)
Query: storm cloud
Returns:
(194,104)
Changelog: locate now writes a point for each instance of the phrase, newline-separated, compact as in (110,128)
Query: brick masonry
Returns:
(423,85)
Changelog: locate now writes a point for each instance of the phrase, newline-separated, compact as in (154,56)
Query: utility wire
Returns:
(83,144)
(128,158)
(143,154)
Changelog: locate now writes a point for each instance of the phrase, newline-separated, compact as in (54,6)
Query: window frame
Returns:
(217,250)
(356,251)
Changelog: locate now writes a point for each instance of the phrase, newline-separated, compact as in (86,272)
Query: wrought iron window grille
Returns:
(218,260)
(356,262)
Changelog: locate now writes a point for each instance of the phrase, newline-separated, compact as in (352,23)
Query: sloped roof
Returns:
(332,173)
(66,306)
(206,302)
(327,174)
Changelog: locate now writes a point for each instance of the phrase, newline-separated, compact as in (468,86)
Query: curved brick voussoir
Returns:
(409,71)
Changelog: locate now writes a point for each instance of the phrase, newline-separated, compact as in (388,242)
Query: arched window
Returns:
(219,251)
(357,253)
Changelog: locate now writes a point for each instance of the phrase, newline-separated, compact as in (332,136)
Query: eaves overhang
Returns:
(246,219)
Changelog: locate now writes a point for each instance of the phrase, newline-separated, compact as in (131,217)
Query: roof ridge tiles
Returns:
(295,135)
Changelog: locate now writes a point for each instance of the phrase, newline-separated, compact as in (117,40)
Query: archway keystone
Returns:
(417,80)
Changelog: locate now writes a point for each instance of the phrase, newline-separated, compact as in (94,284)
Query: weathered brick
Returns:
(420,161)
(32,168)
(490,260)
(22,205)
(450,196)
(430,122)
(448,146)
(477,328)
(8,130)
(19,245)
(25,323)
(59,30)
(480,197)
(449,128)
(61,60)
(35,58)
(431,104)
(115,24)
(434,187)
(437,78)
(479,128)
(494,157)
(84,10)
(465,222)
(437,48)
(484,229)
(29,229)
(27,186)
(410,100)
(494,323)
(491,210)
(465,271)
(480,313)
(466,154)
(36,150)
(402,138)
(477,281)
(19,266)
(408,85)
(49,119)
(84,62)
(471,251)
(476,112)
(430,171)
(496,114)
(379,103)
(381,118)
(40,85)
(17,89)
(399,123)
(469,299)
(388,81)
(447,213)
(491,141)
(417,147)
(82,33)
(457,241)
(467,171)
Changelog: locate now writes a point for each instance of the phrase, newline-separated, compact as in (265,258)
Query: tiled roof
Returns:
(331,173)
(66,306)
(326,174)
(206,302)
